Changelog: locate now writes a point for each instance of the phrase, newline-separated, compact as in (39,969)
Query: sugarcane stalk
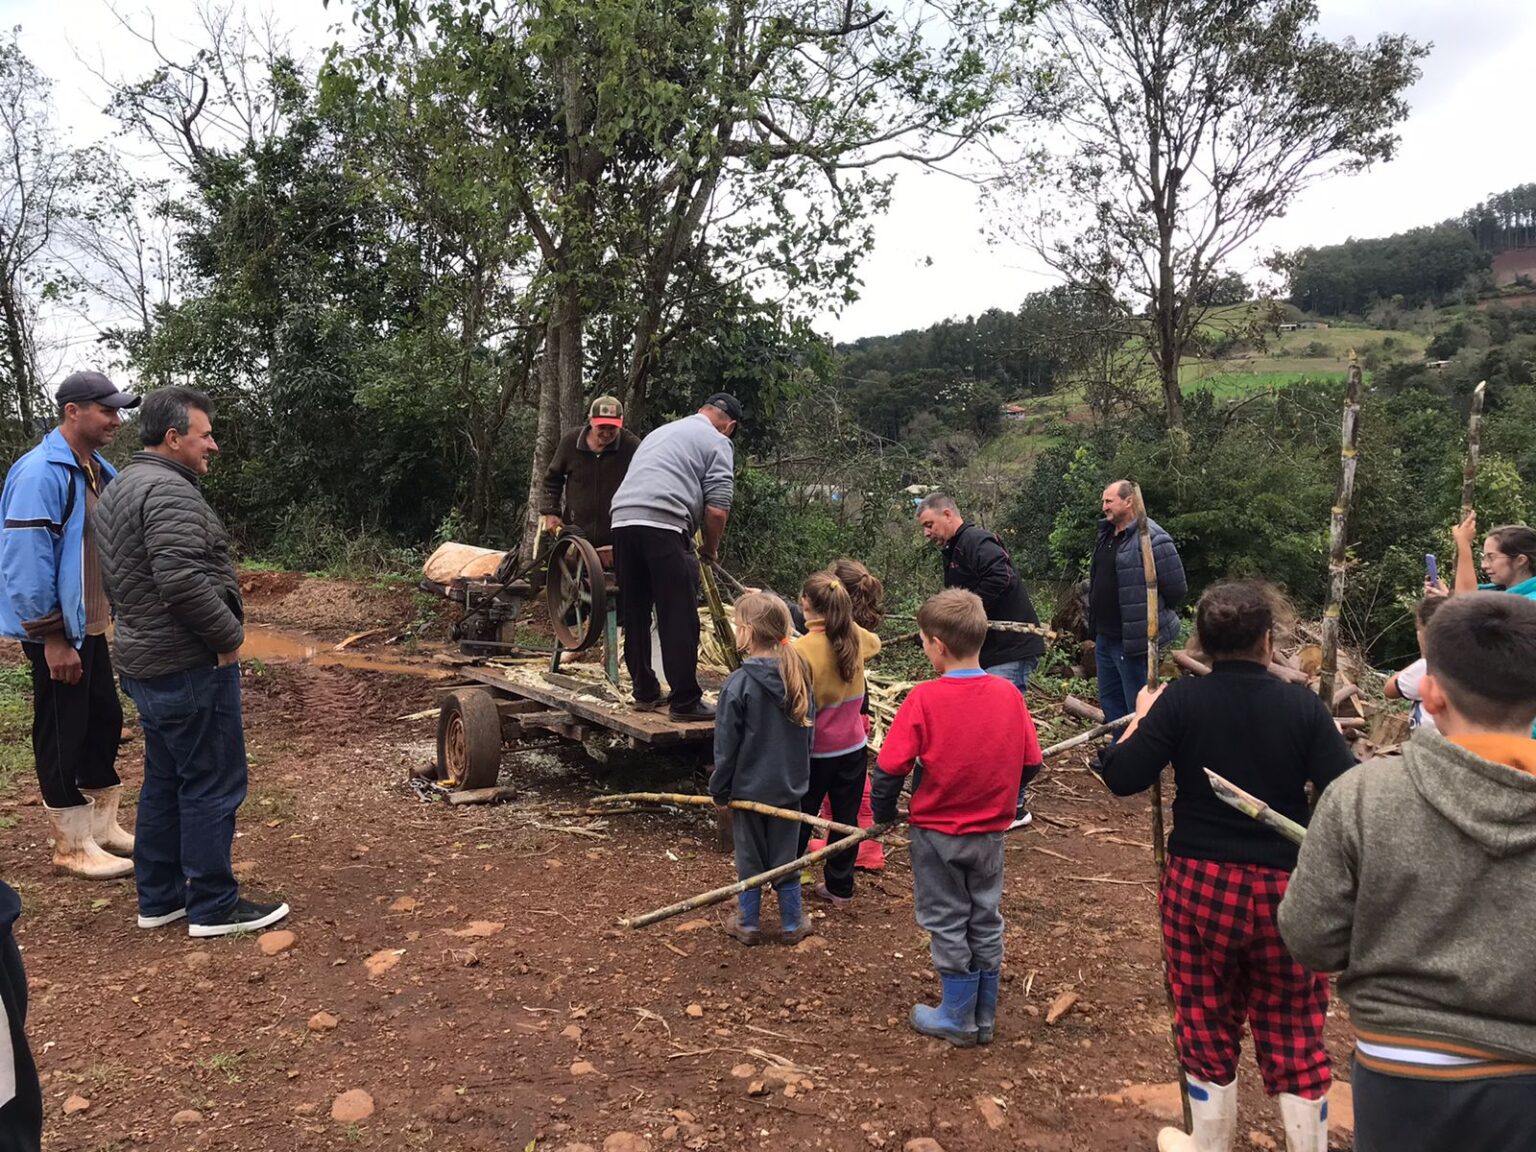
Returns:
(715,896)
(998,626)
(1098,731)
(1250,805)
(1159,838)
(1474,445)
(725,635)
(1338,532)
(693,800)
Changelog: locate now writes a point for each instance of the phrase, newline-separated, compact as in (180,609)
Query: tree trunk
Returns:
(547,433)
(22,380)
(1338,529)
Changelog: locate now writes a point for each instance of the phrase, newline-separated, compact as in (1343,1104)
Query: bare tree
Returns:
(120,245)
(38,176)
(1185,126)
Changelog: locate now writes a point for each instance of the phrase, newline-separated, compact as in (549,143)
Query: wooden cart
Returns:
(477,722)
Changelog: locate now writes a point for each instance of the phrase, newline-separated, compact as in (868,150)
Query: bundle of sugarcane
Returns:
(885,696)
(712,657)
(721,629)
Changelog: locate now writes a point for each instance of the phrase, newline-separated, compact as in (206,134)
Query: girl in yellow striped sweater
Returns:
(836,649)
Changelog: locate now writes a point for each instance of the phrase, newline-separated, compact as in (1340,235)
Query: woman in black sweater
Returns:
(1226,873)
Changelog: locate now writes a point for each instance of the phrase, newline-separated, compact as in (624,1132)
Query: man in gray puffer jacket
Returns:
(179,627)
(1417,883)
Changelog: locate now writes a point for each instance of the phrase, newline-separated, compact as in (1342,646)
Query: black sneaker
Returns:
(245,916)
(695,711)
(647,705)
(1022,818)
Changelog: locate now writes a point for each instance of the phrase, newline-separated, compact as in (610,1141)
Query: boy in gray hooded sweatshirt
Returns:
(1417,883)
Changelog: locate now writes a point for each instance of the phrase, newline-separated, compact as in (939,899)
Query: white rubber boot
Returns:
(105,829)
(76,852)
(1305,1122)
(1213,1108)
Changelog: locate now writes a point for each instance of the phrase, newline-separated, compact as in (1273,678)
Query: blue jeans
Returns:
(1120,679)
(194,780)
(1017,673)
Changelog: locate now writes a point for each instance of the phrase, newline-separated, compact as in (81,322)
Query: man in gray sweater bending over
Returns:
(681,480)
(1415,883)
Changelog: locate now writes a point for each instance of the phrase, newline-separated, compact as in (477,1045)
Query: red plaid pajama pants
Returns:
(1227,965)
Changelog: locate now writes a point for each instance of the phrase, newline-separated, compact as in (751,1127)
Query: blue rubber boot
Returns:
(793,925)
(955,1019)
(742,925)
(986,1005)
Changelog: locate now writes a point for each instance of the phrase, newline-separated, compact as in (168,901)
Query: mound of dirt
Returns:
(326,607)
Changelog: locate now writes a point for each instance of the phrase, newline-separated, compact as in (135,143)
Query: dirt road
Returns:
(462,968)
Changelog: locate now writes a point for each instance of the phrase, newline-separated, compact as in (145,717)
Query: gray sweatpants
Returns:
(957,892)
(764,842)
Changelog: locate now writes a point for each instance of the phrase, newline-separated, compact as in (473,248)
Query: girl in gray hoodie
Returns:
(763,727)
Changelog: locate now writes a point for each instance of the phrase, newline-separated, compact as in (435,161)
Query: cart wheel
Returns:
(469,739)
(576,594)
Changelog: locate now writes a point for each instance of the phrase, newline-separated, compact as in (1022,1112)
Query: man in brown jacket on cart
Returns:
(585,472)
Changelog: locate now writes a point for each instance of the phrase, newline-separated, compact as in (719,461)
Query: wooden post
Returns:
(1474,445)
(1338,532)
(1159,837)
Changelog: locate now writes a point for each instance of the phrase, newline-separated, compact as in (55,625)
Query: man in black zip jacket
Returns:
(975,559)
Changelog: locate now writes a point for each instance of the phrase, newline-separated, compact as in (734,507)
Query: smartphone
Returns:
(1431,567)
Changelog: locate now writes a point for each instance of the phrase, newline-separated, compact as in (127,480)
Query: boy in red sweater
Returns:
(971,738)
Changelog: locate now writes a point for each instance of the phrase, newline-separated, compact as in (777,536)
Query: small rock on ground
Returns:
(626,1142)
(322,1022)
(75,1103)
(922,1144)
(186,1117)
(352,1106)
(271,943)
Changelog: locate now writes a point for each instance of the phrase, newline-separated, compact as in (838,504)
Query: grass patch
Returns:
(226,1064)
(15,728)
(272,804)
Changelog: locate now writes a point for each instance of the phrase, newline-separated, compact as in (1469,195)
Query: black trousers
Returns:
(21,1116)
(841,778)
(1398,1114)
(76,728)
(657,569)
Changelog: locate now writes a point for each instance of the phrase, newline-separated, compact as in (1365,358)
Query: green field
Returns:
(1235,385)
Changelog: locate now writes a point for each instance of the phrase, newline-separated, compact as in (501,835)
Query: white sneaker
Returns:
(161,921)
(1022,818)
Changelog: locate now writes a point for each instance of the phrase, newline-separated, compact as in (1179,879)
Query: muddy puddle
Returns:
(263,642)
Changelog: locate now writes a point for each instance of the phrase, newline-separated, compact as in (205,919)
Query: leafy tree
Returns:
(1186,126)
(653,149)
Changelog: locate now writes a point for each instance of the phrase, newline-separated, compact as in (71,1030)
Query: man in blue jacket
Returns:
(52,599)
(1117,599)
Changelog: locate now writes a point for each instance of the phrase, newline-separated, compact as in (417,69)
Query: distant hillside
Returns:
(1517,262)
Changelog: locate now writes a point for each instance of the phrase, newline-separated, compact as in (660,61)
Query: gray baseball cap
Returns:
(94,388)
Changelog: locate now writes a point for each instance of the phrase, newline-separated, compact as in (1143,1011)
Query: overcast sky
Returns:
(1462,141)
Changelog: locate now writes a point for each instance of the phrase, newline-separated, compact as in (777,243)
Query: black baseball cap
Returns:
(727,404)
(94,388)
